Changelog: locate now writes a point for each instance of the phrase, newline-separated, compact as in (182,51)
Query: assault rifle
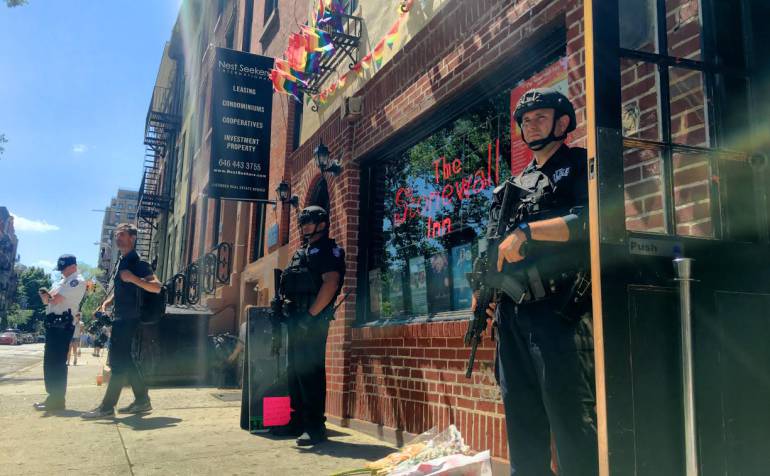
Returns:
(485,280)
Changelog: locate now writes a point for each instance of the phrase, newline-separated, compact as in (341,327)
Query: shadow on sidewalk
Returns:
(342,449)
(142,423)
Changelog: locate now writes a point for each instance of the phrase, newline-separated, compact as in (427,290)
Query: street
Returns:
(18,357)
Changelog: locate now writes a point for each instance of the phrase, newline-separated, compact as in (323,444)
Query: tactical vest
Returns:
(299,286)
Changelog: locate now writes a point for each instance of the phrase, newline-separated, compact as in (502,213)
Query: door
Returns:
(675,94)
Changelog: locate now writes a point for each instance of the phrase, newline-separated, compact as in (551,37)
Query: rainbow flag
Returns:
(312,62)
(378,53)
(282,85)
(317,40)
(291,74)
(295,52)
(392,36)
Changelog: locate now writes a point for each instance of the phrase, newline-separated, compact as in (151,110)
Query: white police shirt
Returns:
(72,288)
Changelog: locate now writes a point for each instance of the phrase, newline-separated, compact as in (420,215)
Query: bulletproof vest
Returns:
(299,286)
(536,199)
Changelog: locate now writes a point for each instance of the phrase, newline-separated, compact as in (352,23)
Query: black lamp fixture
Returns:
(283,194)
(324,162)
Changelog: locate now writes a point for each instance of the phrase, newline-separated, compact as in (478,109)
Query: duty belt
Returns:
(58,320)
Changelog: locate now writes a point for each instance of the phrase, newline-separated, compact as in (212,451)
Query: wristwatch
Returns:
(524,227)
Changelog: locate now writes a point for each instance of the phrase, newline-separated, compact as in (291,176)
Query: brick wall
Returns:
(411,377)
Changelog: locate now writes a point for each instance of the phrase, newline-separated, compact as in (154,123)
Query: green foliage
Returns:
(91,303)
(15,3)
(27,298)
(18,318)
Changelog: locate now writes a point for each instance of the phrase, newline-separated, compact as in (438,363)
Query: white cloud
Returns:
(45,264)
(36,226)
(79,148)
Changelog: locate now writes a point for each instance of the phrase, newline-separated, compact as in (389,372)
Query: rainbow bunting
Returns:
(343,79)
(378,53)
(366,60)
(392,36)
(332,88)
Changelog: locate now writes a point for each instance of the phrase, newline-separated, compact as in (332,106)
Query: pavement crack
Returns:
(125,451)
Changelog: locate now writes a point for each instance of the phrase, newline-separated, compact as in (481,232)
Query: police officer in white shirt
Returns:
(63,301)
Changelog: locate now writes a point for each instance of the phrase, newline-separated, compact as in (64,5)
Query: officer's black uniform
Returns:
(59,329)
(544,358)
(124,328)
(300,284)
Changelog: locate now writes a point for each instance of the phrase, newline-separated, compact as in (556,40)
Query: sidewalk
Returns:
(190,431)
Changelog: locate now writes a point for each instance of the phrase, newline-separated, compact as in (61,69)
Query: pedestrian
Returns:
(310,285)
(74,350)
(61,300)
(544,360)
(132,277)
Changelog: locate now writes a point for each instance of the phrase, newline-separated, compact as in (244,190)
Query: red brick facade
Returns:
(410,376)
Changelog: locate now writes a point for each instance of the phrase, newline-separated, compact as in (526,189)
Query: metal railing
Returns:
(201,277)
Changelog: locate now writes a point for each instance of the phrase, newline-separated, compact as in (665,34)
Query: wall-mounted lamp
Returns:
(324,162)
(283,192)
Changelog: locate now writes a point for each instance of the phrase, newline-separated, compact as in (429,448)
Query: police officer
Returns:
(310,286)
(132,276)
(544,359)
(63,300)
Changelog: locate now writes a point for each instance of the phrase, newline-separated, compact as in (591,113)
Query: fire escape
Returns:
(160,131)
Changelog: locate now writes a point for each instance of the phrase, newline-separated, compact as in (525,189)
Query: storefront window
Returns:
(427,217)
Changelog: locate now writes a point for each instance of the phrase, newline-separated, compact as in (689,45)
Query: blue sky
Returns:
(75,83)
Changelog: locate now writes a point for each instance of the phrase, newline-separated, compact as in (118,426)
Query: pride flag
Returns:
(378,53)
(392,36)
(295,52)
(317,40)
(290,73)
(283,85)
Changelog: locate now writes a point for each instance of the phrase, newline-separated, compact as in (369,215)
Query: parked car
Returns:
(40,339)
(27,338)
(9,338)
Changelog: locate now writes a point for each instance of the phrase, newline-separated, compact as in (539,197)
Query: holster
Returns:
(577,301)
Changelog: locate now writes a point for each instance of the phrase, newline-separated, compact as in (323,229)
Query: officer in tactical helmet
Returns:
(309,287)
(544,361)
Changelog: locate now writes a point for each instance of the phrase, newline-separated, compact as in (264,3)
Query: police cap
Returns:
(313,214)
(64,261)
(545,98)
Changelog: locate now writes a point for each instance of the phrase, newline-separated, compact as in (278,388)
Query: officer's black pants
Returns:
(124,367)
(57,343)
(307,372)
(545,370)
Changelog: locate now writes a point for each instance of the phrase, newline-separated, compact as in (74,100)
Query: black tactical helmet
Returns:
(313,214)
(545,98)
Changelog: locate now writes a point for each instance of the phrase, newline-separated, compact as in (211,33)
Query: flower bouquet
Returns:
(431,454)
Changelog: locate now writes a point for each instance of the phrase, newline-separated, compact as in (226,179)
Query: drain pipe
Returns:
(683,269)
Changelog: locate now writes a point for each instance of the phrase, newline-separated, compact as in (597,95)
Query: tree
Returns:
(27,298)
(15,3)
(95,293)
(18,317)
